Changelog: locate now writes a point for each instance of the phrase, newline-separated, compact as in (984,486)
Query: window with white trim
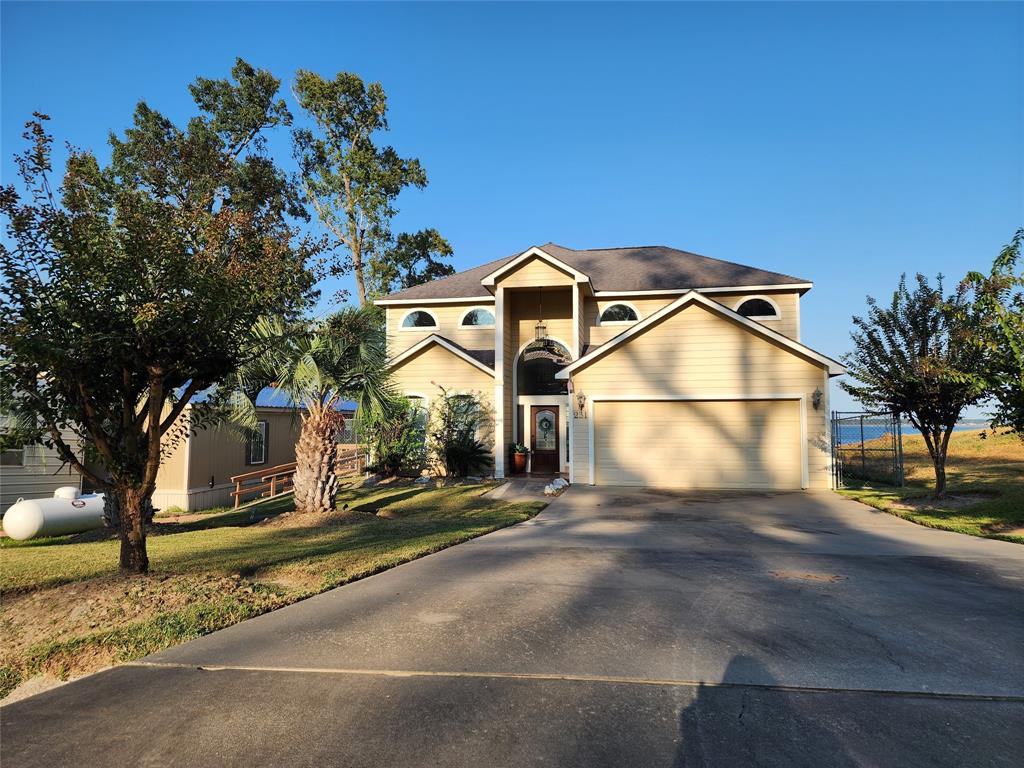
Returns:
(478,318)
(758,309)
(419,319)
(618,313)
(256,449)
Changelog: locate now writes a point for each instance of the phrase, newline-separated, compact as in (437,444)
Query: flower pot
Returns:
(518,462)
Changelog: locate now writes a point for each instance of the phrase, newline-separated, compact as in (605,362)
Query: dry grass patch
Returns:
(985,487)
(66,612)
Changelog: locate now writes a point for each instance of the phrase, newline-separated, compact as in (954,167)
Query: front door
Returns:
(544,439)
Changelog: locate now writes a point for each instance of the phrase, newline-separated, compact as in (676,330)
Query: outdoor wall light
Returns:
(581,405)
(816,398)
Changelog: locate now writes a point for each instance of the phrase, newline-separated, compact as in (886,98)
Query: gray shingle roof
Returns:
(644,268)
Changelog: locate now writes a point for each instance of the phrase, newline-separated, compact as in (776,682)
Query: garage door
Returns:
(698,444)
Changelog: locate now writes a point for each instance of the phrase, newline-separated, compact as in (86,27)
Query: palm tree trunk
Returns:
(316,483)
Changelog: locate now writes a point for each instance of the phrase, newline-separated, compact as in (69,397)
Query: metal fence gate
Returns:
(867,447)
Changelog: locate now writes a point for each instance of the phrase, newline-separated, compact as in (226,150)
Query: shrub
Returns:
(396,438)
(456,424)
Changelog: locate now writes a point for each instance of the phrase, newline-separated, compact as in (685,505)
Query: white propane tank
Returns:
(65,513)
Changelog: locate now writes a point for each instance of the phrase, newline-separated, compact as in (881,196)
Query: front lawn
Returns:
(66,612)
(985,487)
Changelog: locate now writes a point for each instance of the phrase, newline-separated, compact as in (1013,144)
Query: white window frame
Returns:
(769,299)
(608,305)
(263,429)
(419,328)
(490,327)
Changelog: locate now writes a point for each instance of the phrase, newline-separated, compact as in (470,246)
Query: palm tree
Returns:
(316,366)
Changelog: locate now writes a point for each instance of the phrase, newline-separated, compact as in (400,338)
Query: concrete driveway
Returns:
(619,628)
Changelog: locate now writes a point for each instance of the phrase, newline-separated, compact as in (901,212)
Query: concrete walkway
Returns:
(620,628)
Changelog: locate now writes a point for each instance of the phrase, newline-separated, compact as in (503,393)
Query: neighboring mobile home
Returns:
(33,472)
(626,366)
(196,473)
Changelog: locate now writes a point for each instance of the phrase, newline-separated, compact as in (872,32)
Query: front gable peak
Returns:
(489,281)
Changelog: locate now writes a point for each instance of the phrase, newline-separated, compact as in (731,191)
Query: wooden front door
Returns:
(544,439)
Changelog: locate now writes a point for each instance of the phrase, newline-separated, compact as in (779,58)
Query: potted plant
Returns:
(519,452)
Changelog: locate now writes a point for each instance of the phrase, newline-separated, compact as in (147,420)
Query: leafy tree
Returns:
(351,182)
(131,288)
(455,424)
(316,367)
(999,302)
(918,357)
(413,259)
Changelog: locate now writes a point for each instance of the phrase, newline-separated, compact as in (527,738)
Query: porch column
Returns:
(499,382)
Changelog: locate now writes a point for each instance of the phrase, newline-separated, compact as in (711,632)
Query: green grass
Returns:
(991,469)
(214,572)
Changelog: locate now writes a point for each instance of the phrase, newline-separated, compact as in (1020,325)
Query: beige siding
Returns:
(595,334)
(449,317)
(219,453)
(702,444)
(580,451)
(523,308)
(696,353)
(423,372)
(787,301)
(40,474)
(599,334)
(173,472)
(534,272)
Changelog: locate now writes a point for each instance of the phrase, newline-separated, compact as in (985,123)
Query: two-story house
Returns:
(626,366)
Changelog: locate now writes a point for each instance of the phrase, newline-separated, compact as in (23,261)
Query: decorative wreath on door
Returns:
(545,424)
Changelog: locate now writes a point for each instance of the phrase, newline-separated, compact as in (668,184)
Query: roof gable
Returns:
(693,297)
(441,341)
(533,253)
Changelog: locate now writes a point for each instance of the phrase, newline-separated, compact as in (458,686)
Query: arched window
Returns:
(419,319)
(618,313)
(759,309)
(478,317)
(537,366)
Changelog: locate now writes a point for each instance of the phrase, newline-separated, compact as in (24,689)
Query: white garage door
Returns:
(698,444)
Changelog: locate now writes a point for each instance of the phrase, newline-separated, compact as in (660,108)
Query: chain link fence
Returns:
(867,447)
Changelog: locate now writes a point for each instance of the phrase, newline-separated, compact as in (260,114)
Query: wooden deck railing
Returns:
(273,481)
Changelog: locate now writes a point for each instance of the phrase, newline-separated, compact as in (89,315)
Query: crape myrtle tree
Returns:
(353,184)
(919,356)
(133,286)
(999,303)
(317,365)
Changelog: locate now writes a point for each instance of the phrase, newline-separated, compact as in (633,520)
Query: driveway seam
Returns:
(552,677)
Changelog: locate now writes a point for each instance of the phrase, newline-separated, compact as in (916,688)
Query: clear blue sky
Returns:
(843,143)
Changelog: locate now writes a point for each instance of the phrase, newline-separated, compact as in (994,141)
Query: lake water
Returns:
(850,431)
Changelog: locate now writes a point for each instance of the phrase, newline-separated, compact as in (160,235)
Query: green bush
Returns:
(456,423)
(396,438)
